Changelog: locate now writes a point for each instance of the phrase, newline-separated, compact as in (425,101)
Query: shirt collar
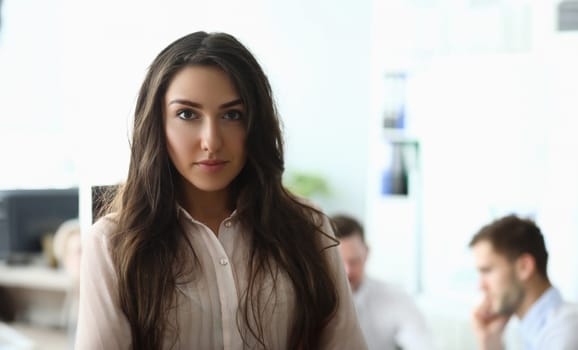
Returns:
(536,318)
(186,215)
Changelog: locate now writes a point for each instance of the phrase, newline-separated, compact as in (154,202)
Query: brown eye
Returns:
(233,115)
(186,114)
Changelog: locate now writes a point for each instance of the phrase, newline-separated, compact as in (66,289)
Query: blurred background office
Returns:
(425,118)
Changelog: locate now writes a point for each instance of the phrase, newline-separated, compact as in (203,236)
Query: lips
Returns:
(212,162)
(211,165)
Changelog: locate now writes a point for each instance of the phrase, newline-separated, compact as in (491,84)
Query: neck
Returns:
(207,207)
(534,289)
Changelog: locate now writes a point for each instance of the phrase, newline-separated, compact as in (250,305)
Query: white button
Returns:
(223,261)
(228,224)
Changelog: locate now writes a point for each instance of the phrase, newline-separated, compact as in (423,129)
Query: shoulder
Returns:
(97,252)
(560,332)
(104,226)
(107,223)
(97,237)
(567,313)
(387,291)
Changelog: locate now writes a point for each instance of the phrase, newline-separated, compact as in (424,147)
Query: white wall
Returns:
(35,150)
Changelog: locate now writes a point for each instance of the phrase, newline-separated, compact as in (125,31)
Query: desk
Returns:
(39,293)
(26,337)
(36,277)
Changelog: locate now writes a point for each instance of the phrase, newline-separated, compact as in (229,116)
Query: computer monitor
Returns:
(26,216)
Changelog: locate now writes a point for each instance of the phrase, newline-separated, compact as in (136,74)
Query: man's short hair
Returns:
(513,236)
(346,226)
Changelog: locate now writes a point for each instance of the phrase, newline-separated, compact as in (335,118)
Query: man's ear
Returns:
(525,266)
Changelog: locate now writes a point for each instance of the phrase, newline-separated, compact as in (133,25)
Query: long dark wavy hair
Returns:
(147,249)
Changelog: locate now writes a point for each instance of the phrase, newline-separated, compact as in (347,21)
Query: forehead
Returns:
(202,82)
(485,253)
(352,245)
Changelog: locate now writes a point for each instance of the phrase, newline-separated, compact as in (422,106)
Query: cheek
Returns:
(356,268)
(487,282)
(236,145)
(179,141)
(238,138)
(500,282)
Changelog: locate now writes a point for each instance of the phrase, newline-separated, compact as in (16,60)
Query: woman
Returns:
(206,249)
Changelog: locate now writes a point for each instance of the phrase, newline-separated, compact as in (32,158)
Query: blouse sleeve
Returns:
(101,322)
(343,331)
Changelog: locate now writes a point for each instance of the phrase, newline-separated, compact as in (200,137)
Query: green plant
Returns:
(306,184)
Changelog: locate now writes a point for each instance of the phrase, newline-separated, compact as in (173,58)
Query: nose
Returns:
(482,284)
(347,269)
(211,138)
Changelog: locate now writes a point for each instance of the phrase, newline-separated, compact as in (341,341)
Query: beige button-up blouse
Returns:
(207,307)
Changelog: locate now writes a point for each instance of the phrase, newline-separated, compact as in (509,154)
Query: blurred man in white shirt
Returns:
(511,258)
(388,317)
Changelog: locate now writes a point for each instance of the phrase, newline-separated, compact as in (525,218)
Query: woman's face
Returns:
(204,120)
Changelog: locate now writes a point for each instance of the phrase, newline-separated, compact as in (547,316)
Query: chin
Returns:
(211,188)
(505,309)
(209,185)
(496,307)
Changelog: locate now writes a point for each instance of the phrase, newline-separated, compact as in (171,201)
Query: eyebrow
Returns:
(198,105)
